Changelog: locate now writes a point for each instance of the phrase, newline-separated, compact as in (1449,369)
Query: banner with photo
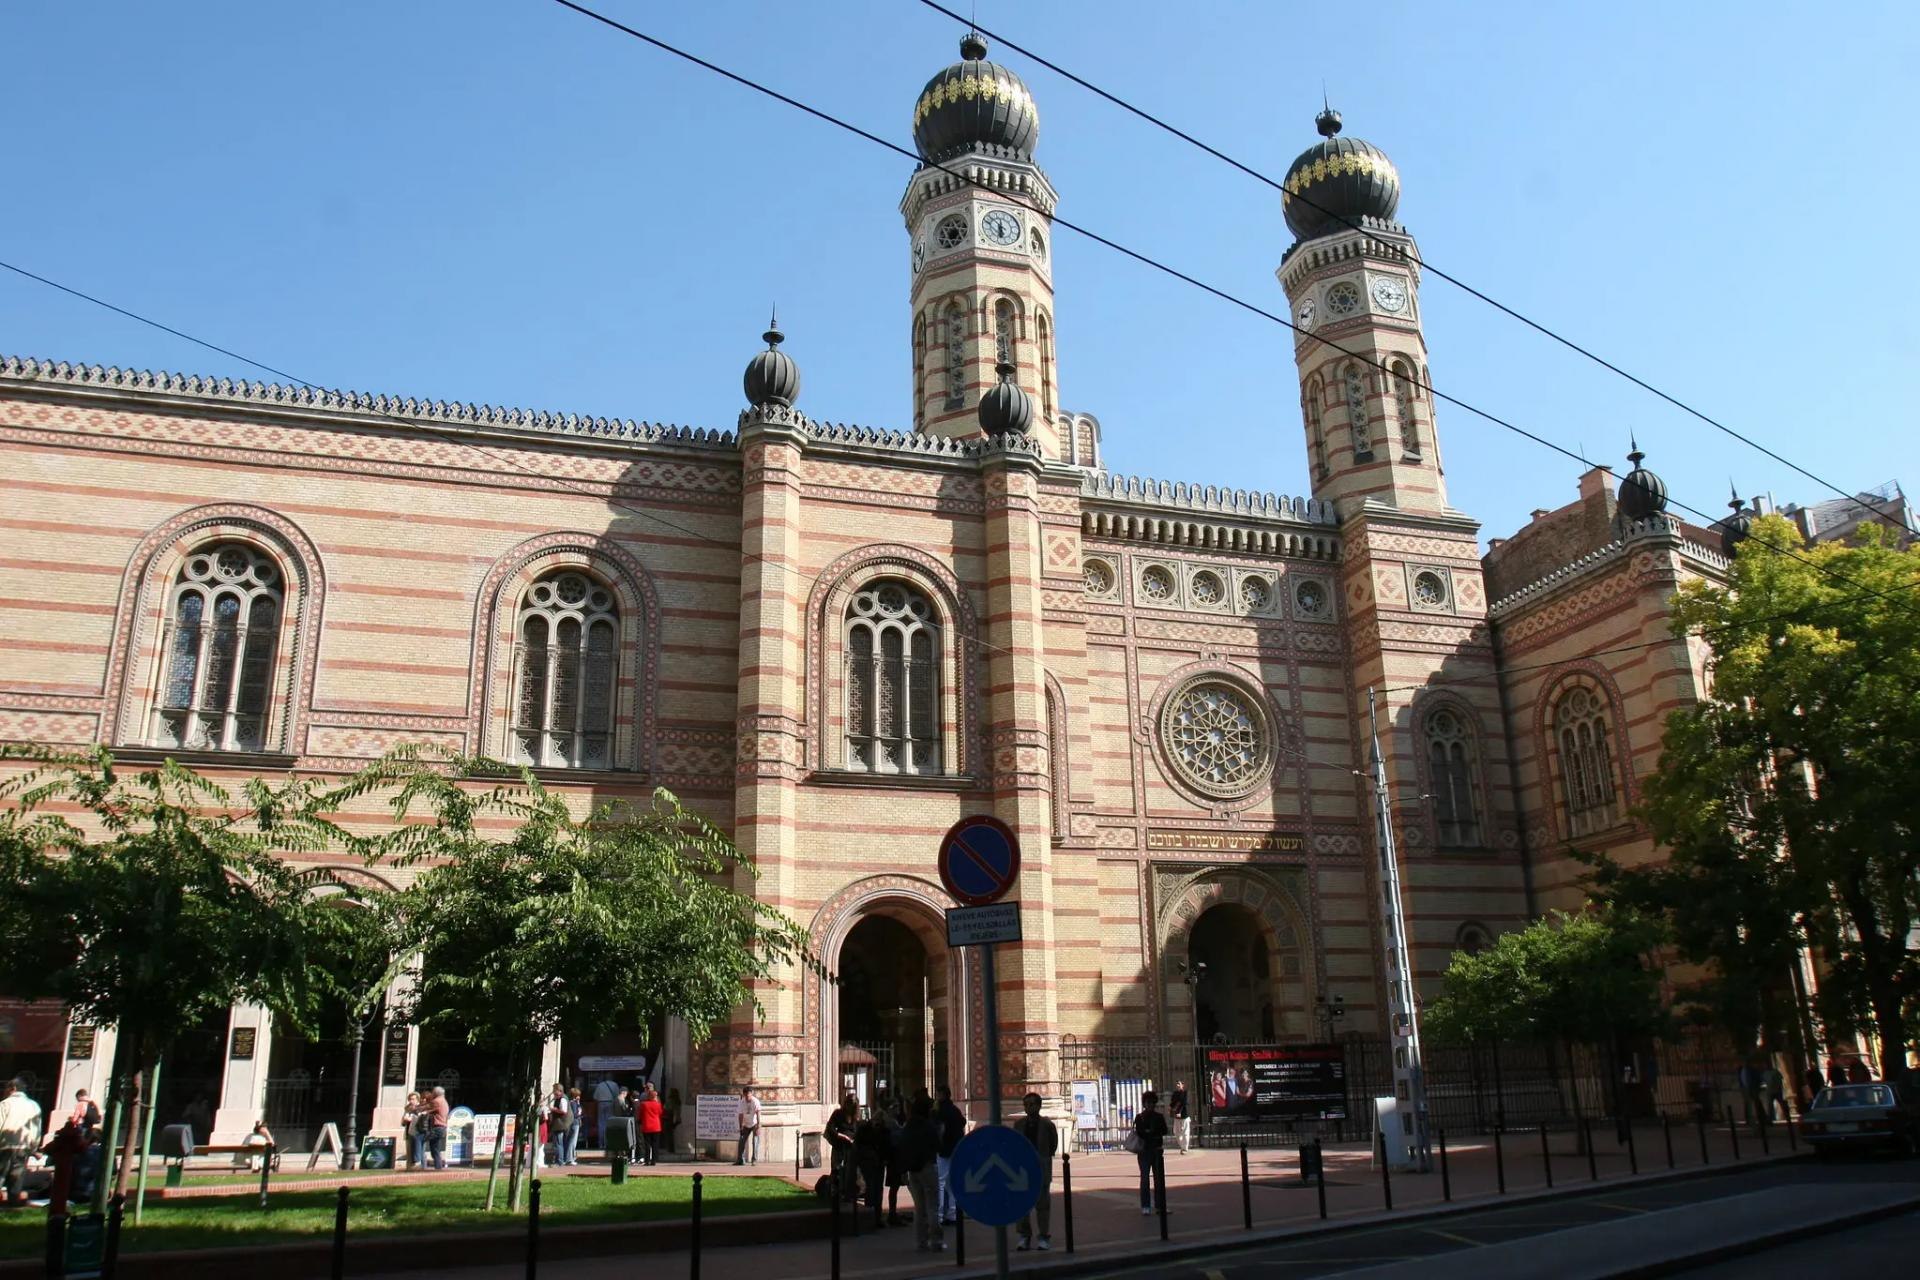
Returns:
(1251,1083)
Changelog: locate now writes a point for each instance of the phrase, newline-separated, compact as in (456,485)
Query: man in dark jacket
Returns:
(842,1125)
(870,1144)
(953,1127)
(920,1154)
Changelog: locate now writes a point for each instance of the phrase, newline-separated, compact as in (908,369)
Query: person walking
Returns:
(19,1138)
(1177,1113)
(1773,1094)
(747,1117)
(953,1127)
(1150,1148)
(436,1118)
(920,1140)
(652,1115)
(839,1133)
(1044,1136)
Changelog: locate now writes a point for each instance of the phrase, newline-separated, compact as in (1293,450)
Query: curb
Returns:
(1758,1244)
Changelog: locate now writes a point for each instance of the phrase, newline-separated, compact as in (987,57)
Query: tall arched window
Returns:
(1044,332)
(956,326)
(919,372)
(1450,761)
(1356,389)
(892,681)
(221,635)
(1316,431)
(1005,340)
(1586,762)
(567,646)
(1403,409)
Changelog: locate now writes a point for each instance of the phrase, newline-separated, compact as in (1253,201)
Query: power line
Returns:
(1134,254)
(1858,499)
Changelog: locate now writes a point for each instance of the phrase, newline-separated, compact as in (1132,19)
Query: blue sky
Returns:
(501,202)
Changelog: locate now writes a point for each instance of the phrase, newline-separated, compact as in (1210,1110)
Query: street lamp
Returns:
(1330,1011)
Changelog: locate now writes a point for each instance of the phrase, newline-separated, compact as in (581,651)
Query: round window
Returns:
(1429,590)
(1099,577)
(1208,589)
(1255,594)
(1156,583)
(952,232)
(1217,739)
(1310,598)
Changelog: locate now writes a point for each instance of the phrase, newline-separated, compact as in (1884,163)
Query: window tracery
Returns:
(566,652)
(1450,757)
(219,647)
(1356,391)
(892,681)
(1316,433)
(1586,761)
(956,336)
(1403,409)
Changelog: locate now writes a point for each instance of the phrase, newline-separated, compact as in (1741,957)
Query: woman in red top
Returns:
(650,1112)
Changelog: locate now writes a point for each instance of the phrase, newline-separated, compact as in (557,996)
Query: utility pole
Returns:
(1409,1079)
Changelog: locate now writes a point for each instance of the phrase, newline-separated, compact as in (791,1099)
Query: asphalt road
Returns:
(1349,1251)
(1890,1247)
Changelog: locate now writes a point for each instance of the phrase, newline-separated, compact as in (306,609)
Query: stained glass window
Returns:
(565,673)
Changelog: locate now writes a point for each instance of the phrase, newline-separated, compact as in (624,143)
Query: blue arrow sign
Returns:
(996,1175)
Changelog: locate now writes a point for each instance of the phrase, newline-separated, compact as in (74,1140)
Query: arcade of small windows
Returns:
(1316,433)
(566,651)
(219,645)
(892,681)
(1586,763)
(956,336)
(1403,409)
(1450,758)
(1003,333)
(1356,390)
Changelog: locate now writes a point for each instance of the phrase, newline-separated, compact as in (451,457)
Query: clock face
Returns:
(1343,299)
(1308,314)
(1000,227)
(951,233)
(1390,294)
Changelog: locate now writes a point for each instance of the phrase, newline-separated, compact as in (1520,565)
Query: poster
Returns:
(486,1136)
(716,1117)
(1086,1104)
(1248,1083)
(395,1055)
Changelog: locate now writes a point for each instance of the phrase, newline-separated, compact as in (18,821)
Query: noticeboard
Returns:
(1247,1084)
(243,1041)
(716,1117)
(394,1055)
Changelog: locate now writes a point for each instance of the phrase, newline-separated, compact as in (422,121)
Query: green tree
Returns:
(568,927)
(1574,979)
(1786,795)
(161,903)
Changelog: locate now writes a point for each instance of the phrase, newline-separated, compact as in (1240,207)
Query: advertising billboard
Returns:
(1251,1083)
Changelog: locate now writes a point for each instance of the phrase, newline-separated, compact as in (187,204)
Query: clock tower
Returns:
(1352,277)
(978,214)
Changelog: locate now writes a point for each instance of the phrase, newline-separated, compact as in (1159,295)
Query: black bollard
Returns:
(1499,1159)
(340,1234)
(1446,1179)
(1320,1170)
(1546,1155)
(693,1229)
(56,1244)
(1633,1152)
(1066,1193)
(959,1236)
(1246,1190)
(1666,1135)
(1160,1187)
(1733,1133)
(266,1172)
(1386,1174)
(834,1233)
(533,1228)
(110,1256)
(1792,1143)
(1765,1121)
(1593,1164)
(1700,1121)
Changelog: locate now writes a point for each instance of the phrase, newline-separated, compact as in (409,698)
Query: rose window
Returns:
(952,232)
(1099,578)
(1208,589)
(1217,738)
(1429,590)
(1311,598)
(1255,594)
(1156,584)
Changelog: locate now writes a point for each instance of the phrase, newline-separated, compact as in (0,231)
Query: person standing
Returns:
(747,1117)
(605,1094)
(576,1116)
(1177,1113)
(919,1153)
(1044,1136)
(1150,1149)
(554,1112)
(652,1114)
(85,1114)
(839,1133)
(953,1127)
(19,1139)
(412,1127)
(436,1117)
(870,1149)
(893,1114)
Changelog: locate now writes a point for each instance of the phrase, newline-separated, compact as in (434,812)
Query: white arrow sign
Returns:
(1015,1179)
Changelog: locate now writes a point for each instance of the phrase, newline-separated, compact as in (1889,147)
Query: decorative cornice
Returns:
(1133,491)
(1632,533)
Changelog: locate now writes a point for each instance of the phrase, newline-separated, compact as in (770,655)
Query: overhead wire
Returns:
(1858,499)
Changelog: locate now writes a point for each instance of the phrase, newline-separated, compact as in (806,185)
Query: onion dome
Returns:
(1642,493)
(1735,526)
(772,377)
(1006,409)
(972,103)
(1337,181)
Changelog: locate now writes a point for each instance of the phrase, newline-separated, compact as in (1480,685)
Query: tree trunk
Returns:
(110,1123)
(1890,1022)
(137,1104)
(493,1167)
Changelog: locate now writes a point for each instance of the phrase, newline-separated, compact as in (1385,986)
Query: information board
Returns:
(1250,1083)
(716,1117)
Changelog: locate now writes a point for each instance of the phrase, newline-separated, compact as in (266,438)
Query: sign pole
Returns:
(991,998)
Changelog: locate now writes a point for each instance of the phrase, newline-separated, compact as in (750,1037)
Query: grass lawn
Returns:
(219,1221)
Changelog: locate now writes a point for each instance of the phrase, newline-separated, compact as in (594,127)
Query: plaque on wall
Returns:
(393,1070)
(242,1043)
(80,1042)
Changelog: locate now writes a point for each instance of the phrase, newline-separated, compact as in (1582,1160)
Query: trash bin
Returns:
(619,1146)
(810,1149)
(1309,1161)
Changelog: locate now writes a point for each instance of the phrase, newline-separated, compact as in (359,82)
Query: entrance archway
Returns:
(1246,927)
(1229,955)
(890,1009)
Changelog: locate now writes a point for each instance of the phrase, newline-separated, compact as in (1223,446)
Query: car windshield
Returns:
(1856,1095)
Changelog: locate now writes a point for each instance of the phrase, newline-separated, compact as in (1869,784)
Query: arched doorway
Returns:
(891,1008)
(1232,965)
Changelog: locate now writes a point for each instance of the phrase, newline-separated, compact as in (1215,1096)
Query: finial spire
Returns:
(1633,449)
(1733,491)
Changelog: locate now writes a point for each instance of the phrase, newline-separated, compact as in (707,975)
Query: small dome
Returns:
(975,102)
(1737,524)
(1336,181)
(772,377)
(1642,493)
(1006,409)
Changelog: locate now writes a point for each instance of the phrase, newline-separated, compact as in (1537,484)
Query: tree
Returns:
(1786,795)
(568,927)
(167,902)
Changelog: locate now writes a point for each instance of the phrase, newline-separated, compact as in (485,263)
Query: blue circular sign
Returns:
(996,1175)
(979,860)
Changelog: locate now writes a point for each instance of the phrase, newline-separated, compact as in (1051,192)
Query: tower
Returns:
(1353,281)
(978,213)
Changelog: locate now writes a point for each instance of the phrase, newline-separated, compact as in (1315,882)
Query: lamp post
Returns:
(1330,1011)
(1192,972)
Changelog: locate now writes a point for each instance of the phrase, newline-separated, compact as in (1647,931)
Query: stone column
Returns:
(243,1092)
(92,1072)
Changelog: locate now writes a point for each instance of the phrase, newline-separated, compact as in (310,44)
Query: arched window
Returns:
(956,326)
(567,646)
(218,647)
(1043,331)
(1586,762)
(1316,432)
(1450,760)
(1472,939)
(919,372)
(1005,340)
(1403,409)
(892,681)
(1356,389)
